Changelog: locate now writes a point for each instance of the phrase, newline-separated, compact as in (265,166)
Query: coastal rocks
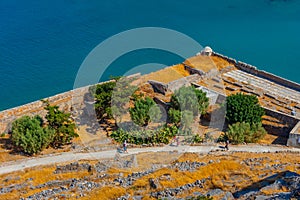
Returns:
(228,196)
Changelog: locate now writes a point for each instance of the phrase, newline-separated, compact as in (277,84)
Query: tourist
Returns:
(227,145)
(177,140)
(125,146)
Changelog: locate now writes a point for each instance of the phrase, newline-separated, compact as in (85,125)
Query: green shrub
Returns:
(29,135)
(62,124)
(258,132)
(197,139)
(121,97)
(190,99)
(103,95)
(186,104)
(174,116)
(163,135)
(243,108)
(144,111)
(244,132)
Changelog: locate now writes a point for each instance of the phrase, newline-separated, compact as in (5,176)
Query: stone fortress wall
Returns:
(66,101)
(73,101)
(260,73)
(292,121)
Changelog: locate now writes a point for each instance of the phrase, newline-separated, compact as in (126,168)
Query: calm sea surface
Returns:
(43,43)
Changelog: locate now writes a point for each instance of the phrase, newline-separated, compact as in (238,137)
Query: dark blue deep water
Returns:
(43,43)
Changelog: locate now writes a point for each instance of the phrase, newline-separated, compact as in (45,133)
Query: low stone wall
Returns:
(158,87)
(290,120)
(185,81)
(192,70)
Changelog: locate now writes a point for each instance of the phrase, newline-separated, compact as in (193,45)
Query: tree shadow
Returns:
(215,118)
(5,143)
(87,115)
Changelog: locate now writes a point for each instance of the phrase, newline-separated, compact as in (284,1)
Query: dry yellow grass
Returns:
(39,175)
(106,193)
(204,63)
(220,62)
(166,75)
(207,63)
(225,170)
(180,69)
(189,157)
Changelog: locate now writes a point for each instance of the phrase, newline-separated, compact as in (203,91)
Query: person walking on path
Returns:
(125,146)
(177,140)
(227,145)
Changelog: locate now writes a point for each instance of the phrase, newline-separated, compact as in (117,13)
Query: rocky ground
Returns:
(162,175)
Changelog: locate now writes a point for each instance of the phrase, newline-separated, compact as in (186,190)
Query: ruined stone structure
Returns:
(294,136)
(78,101)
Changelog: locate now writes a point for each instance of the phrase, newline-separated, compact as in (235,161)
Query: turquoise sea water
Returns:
(43,43)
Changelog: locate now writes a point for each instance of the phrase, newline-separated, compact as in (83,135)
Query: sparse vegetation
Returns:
(174,116)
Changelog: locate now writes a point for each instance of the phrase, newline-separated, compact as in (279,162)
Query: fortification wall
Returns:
(230,60)
(290,120)
(70,101)
(263,74)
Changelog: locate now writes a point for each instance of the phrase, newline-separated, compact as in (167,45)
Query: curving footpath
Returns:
(71,156)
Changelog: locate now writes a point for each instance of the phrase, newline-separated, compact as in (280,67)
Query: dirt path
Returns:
(71,156)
